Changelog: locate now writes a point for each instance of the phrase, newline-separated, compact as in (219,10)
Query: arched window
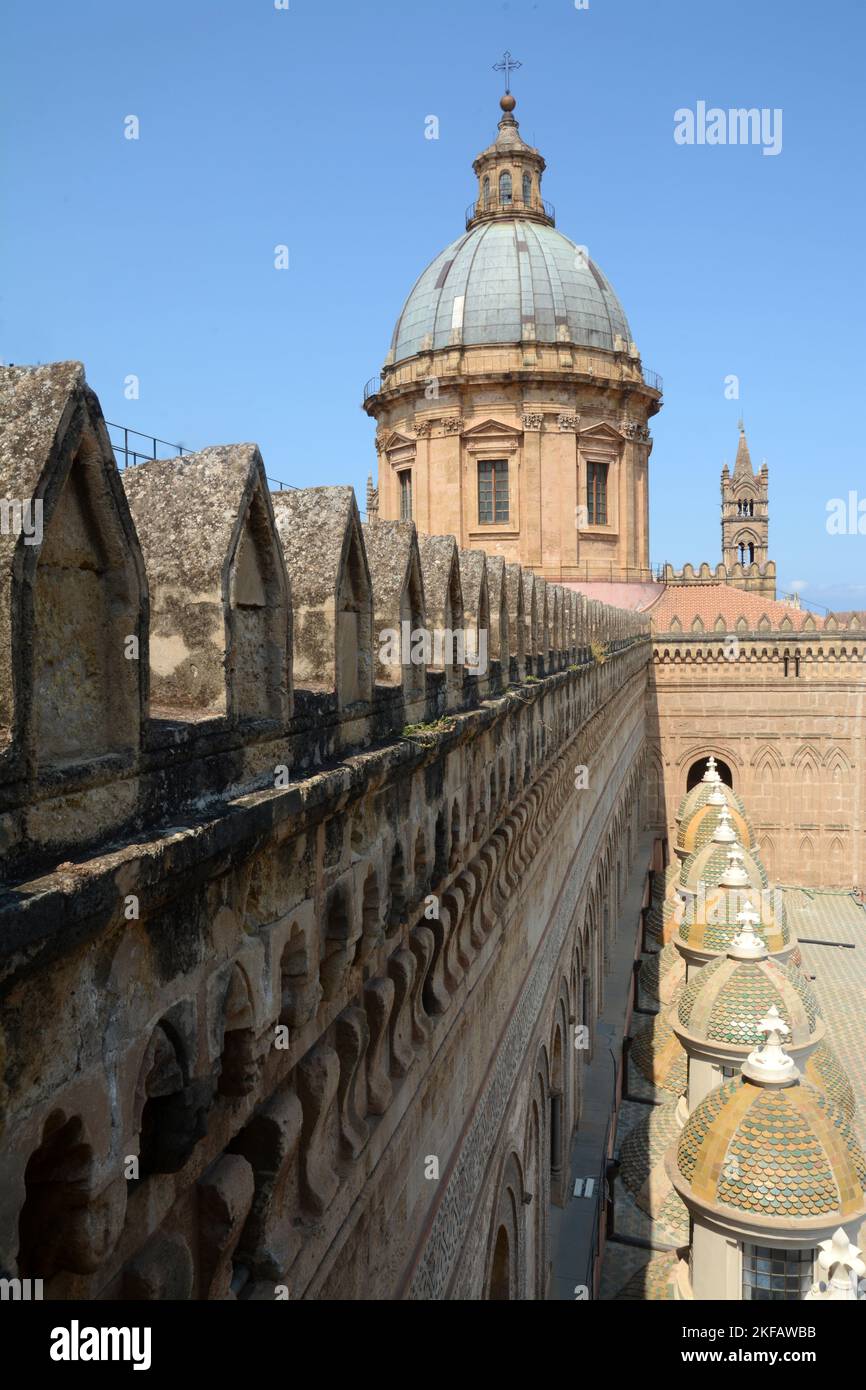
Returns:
(751,554)
(504,188)
(500,1273)
(485,193)
(527,189)
(697,770)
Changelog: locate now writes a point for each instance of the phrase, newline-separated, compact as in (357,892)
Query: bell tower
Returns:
(746,522)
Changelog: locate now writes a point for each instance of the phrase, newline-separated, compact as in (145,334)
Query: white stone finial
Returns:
(768,1063)
(747,945)
(712,772)
(724,833)
(735,875)
(841,1260)
(717,797)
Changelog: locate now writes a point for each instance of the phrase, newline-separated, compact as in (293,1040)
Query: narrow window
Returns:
(406,494)
(527,190)
(504,188)
(485,194)
(751,554)
(493,492)
(596,494)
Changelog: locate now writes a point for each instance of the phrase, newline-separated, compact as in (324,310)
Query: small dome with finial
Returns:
(770,1149)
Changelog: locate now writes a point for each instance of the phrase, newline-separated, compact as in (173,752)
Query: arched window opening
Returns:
(240,1065)
(527,190)
(556,1118)
(53,1183)
(485,194)
(697,770)
(500,1273)
(505,188)
(172,1117)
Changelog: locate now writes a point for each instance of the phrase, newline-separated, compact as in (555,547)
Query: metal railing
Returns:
(127,456)
(486,207)
(131,456)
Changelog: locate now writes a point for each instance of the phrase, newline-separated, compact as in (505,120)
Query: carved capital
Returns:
(533,420)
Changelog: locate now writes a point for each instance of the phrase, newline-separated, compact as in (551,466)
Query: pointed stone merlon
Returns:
(499,643)
(530,615)
(332,594)
(443,591)
(220,599)
(543,604)
(476,613)
(516,621)
(399,607)
(73,594)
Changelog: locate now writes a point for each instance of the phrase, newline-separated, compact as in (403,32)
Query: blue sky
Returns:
(305,127)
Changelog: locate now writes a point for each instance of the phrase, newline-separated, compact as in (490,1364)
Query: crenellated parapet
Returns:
(756,578)
(260,871)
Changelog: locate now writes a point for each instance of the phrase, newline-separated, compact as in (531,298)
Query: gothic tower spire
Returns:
(746,522)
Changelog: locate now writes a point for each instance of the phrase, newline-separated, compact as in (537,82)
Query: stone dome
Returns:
(506,281)
(771,1154)
(726,999)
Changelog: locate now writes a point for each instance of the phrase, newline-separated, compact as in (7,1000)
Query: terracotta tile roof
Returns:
(686,602)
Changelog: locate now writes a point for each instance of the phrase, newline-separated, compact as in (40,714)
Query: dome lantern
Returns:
(509,176)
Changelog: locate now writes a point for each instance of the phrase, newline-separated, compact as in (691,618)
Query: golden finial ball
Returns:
(507,102)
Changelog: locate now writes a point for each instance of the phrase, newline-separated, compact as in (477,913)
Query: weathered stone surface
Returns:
(225,1196)
(218,584)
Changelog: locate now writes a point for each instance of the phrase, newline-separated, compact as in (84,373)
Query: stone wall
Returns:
(294,938)
(756,578)
(786,710)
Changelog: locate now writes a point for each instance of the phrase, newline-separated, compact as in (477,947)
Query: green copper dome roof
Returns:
(506,281)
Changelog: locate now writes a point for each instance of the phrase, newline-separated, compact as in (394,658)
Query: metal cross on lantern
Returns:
(508,66)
